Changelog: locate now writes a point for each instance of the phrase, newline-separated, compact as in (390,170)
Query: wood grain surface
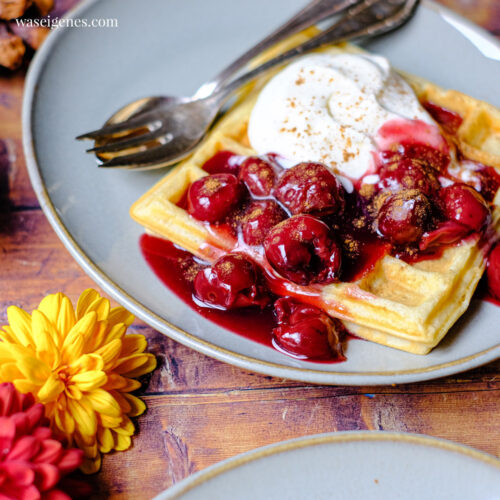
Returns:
(201,411)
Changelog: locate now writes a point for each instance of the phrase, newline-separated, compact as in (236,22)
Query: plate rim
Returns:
(308,375)
(200,477)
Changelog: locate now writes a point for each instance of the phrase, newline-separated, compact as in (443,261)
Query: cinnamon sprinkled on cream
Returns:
(329,108)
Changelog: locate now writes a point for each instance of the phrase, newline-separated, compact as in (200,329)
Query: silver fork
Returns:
(314,12)
(181,126)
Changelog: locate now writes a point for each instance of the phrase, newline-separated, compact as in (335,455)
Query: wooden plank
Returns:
(201,411)
(182,434)
(15,188)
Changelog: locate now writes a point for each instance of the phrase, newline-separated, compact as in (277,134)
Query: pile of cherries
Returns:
(308,227)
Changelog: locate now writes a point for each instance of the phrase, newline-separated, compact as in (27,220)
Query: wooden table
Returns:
(201,411)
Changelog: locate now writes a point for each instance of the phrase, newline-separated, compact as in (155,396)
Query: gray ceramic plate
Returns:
(81,76)
(349,465)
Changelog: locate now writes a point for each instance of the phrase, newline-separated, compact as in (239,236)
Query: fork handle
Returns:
(369,18)
(315,12)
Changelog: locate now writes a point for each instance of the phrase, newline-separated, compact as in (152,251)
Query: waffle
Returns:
(408,307)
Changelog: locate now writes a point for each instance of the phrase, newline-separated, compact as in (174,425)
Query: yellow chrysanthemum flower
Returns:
(81,366)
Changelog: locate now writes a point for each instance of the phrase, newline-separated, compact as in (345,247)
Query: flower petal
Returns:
(19,472)
(46,476)
(50,452)
(133,344)
(8,400)
(12,352)
(87,443)
(86,298)
(122,442)
(91,466)
(124,404)
(90,380)
(111,422)
(55,308)
(87,362)
(120,383)
(54,494)
(98,337)
(20,323)
(66,319)
(115,332)
(26,386)
(64,421)
(46,339)
(7,335)
(33,369)
(71,459)
(135,365)
(25,448)
(137,406)
(51,389)
(103,402)
(90,300)
(120,315)
(7,433)
(129,363)
(126,427)
(72,347)
(105,440)
(85,418)
(73,392)
(9,372)
(110,353)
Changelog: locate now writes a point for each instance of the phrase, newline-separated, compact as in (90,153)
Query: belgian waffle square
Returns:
(405,306)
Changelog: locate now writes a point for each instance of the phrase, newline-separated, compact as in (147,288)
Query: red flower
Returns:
(32,462)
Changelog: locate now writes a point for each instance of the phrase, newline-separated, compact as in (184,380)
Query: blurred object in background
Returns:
(19,41)
(483,12)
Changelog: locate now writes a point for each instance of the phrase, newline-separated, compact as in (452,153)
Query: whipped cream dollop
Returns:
(328,108)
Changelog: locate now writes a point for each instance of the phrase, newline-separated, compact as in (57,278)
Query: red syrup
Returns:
(397,132)
(371,250)
(448,119)
(489,298)
(175,266)
(483,293)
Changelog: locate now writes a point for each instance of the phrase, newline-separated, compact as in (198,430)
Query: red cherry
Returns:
(445,234)
(464,204)
(310,188)
(258,175)
(223,162)
(490,182)
(212,197)
(493,271)
(427,156)
(306,331)
(408,174)
(303,250)
(230,283)
(403,216)
(260,217)
(449,120)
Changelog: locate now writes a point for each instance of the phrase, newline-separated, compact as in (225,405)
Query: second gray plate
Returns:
(349,465)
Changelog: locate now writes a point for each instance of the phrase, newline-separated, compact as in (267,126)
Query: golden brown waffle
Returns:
(478,137)
(408,307)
